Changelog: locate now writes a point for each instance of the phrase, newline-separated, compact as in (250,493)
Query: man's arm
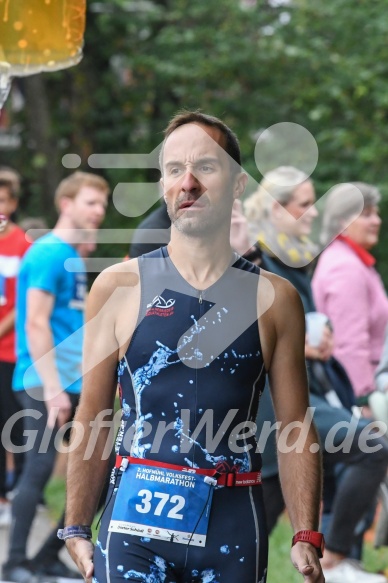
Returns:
(41,346)
(88,464)
(299,467)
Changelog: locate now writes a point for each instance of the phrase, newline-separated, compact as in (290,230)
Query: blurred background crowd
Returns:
(254,64)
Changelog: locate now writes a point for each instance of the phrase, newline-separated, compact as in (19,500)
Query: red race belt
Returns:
(228,479)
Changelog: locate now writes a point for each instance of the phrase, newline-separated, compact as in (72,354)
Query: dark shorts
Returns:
(236,547)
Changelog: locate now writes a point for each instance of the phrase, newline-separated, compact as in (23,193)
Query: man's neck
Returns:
(200,262)
(64,229)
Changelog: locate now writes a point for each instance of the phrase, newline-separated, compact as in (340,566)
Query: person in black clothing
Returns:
(143,241)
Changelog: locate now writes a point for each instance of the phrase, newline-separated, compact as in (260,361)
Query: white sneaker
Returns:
(5,514)
(349,571)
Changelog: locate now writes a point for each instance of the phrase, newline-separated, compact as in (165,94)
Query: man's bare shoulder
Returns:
(121,274)
(283,290)
(282,315)
(121,278)
(279,303)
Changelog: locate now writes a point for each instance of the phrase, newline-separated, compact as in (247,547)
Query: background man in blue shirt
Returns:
(47,379)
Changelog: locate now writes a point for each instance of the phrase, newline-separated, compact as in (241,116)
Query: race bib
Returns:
(170,505)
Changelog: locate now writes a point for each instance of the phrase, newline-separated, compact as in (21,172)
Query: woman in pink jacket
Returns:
(348,289)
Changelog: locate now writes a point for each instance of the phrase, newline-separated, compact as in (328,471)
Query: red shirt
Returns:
(362,253)
(12,248)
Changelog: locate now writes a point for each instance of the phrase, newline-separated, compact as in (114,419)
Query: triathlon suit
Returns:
(194,368)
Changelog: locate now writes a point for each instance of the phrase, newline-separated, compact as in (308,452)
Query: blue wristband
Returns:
(77,530)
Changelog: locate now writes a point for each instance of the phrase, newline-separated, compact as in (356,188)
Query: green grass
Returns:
(280,567)
(55,497)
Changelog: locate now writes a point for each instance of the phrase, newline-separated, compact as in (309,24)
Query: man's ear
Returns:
(162,187)
(240,184)
(64,204)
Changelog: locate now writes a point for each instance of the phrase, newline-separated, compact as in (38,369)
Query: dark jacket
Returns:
(322,376)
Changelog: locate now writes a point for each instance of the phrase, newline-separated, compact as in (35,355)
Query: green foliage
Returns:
(254,63)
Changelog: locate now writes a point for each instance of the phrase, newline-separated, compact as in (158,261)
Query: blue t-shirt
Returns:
(45,267)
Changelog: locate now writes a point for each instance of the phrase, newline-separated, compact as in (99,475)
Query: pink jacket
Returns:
(352,295)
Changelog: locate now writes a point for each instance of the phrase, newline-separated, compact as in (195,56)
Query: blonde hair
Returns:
(342,203)
(69,187)
(278,184)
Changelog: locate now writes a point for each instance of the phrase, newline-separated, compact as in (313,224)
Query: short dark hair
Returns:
(232,146)
(10,186)
(12,176)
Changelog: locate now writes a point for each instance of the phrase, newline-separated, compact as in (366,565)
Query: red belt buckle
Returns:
(230,480)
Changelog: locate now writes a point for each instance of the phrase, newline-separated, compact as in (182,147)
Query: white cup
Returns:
(315,324)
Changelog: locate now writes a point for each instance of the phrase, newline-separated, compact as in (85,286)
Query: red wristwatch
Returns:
(310,536)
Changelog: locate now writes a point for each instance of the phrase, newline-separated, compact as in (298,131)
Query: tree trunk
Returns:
(42,141)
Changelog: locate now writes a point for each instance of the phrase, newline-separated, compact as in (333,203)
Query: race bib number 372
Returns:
(170,505)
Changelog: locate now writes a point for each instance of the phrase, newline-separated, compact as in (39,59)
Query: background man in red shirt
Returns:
(13,245)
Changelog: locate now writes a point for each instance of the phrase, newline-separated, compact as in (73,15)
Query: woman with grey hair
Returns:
(343,205)
(349,290)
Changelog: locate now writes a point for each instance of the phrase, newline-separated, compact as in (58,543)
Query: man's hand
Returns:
(305,559)
(324,350)
(81,551)
(58,408)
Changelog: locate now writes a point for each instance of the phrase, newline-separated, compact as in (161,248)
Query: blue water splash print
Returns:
(104,552)
(120,368)
(160,359)
(209,576)
(179,427)
(141,378)
(243,465)
(157,572)
(126,409)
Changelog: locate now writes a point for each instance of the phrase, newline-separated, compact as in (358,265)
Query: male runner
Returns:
(181,326)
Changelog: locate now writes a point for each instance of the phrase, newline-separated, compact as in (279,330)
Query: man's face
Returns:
(8,204)
(87,209)
(198,185)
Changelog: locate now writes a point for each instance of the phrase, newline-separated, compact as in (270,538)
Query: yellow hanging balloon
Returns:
(39,35)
